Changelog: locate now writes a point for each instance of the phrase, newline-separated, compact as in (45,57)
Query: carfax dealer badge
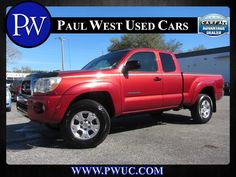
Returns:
(213,25)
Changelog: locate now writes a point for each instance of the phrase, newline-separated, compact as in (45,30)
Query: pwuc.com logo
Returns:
(28,24)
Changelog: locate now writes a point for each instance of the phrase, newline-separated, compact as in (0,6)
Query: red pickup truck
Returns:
(118,83)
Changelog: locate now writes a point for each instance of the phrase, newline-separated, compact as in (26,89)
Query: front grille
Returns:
(22,106)
(25,88)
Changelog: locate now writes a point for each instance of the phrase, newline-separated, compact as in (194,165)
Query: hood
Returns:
(78,72)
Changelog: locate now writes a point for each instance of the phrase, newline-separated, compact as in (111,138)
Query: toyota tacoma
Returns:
(83,102)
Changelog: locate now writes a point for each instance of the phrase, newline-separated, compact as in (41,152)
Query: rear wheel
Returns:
(202,110)
(86,124)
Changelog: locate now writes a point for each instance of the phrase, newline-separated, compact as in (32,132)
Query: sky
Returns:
(82,48)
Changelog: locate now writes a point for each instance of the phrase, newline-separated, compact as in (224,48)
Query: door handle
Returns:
(157,79)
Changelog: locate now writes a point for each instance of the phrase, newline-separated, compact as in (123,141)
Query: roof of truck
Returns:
(140,49)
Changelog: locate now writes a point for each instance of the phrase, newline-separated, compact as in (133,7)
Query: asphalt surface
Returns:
(141,139)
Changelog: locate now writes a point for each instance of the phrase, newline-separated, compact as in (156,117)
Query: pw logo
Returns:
(28,24)
(25,25)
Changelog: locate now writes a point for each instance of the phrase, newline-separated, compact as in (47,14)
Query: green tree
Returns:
(144,41)
(23,69)
(200,47)
(41,71)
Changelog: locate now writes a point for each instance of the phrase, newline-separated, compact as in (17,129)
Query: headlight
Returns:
(44,85)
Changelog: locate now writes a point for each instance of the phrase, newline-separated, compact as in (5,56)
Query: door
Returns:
(142,88)
(172,81)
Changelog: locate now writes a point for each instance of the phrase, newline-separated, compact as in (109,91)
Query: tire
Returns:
(86,124)
(9,109)
(55,127)
(202,110)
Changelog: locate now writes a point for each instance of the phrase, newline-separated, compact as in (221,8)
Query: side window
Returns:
(167,61)
(147,61)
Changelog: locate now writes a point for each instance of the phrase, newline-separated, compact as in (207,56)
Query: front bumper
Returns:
(43,108)
(48,108)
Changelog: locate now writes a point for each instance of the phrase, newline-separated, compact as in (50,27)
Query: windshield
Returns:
(107,61)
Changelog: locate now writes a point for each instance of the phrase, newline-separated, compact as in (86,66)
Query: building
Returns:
(209,61)
(11,76)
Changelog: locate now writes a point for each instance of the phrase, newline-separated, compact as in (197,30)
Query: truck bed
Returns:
(193,82)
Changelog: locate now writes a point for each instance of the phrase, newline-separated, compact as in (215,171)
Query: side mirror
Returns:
(131,65)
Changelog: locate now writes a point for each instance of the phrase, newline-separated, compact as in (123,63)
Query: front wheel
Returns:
(86,124)
(202,110)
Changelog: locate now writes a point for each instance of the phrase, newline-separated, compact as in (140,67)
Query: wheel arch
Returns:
(211,93)
(208,90)
(102,97)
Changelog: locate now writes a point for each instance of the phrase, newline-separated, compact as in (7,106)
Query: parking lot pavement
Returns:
(141,139)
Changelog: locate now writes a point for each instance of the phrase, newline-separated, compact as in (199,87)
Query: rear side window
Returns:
(147,61)
(167,61)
